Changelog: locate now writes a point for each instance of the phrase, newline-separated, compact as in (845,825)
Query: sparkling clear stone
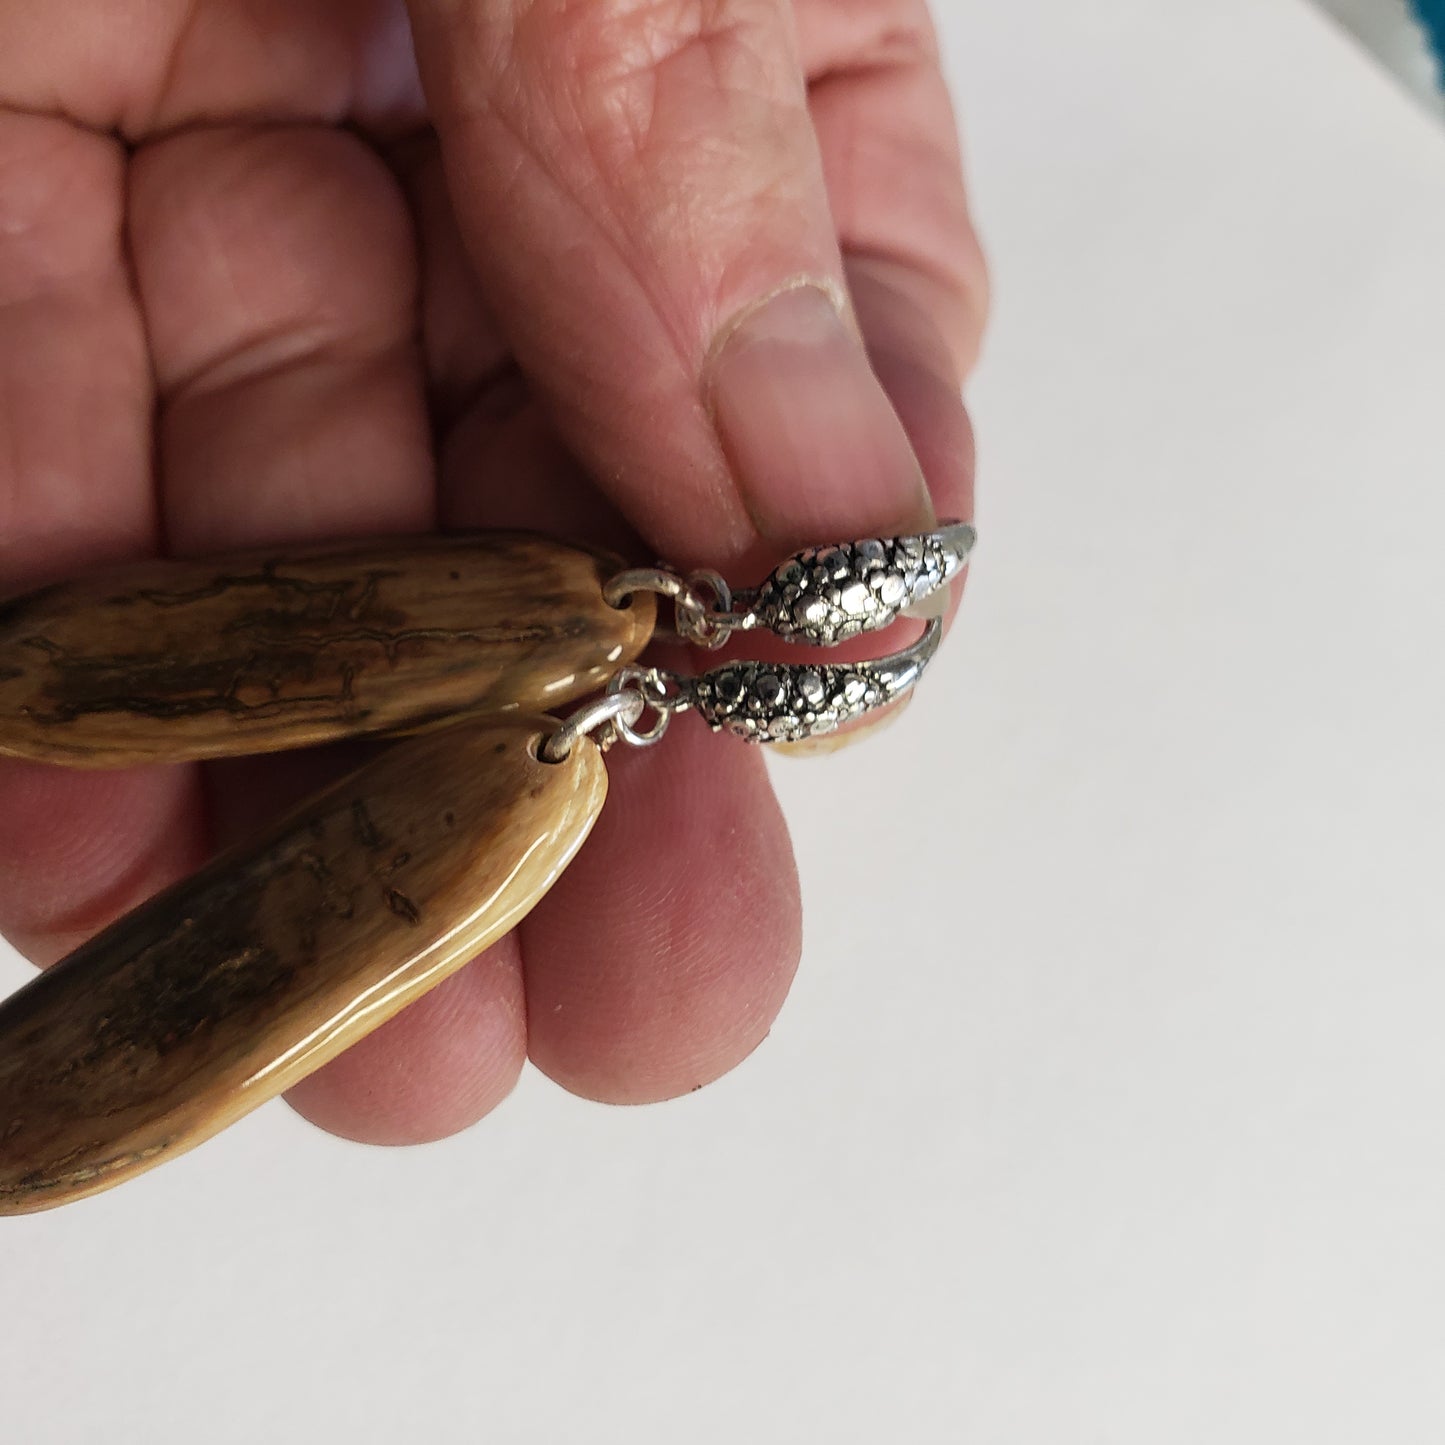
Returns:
(810,688)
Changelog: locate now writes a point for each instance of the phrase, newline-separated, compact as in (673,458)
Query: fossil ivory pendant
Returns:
(234,984)
(164,661)
(226,989)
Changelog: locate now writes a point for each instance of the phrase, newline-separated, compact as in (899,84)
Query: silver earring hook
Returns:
(787,702)
(825,595)
(820,597)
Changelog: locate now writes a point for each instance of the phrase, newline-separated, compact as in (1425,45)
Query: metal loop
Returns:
(707,625)
(617,590)
(700,621)
(722,593)
(659,691)
(613,710)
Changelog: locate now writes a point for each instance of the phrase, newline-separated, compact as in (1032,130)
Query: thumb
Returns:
(640,188)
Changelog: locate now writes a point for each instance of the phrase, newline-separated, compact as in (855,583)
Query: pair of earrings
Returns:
(237,982)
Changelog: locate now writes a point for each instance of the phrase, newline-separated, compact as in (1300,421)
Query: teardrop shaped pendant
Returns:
(229,987)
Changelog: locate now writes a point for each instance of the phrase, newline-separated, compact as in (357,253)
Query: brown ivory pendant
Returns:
(164,661)
(229,987)
(239,981)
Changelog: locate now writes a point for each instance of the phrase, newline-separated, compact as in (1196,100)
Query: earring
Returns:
(229,987)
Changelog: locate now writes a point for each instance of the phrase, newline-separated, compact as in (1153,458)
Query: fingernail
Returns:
(815,446)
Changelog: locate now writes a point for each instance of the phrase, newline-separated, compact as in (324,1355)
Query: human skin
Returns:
(694,280)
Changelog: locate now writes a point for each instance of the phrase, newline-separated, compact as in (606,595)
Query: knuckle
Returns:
(614,67)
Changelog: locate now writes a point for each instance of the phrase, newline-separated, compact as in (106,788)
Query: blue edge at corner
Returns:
(1432,17)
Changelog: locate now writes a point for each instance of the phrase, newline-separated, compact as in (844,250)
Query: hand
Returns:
(595,268)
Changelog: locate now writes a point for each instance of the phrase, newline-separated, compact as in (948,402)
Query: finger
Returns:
(465,355)
(917,365)
(662,956)
(141,69)
(641,190)
(277,272)
(663,953)
(918,368)
(75,488)
(630,996)
(888,139)
(441,1064)
(915,269)
(892,167)
(662,198)
(500,462)
(890,154)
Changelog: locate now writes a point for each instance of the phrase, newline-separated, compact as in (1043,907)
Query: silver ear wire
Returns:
(787,702)
(825,595)
(820,597)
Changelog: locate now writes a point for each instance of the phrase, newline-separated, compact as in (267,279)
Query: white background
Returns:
(1109,1107)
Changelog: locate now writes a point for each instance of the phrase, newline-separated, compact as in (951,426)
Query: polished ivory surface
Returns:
(265,650)
(226,989)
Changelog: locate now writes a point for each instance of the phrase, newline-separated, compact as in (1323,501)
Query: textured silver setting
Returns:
(826,595)
(821,596)
(786,702)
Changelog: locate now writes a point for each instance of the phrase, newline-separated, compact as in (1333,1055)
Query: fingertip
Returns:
(662,957)
(918,368)
(77,849)
(436,1068)
(815,445)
